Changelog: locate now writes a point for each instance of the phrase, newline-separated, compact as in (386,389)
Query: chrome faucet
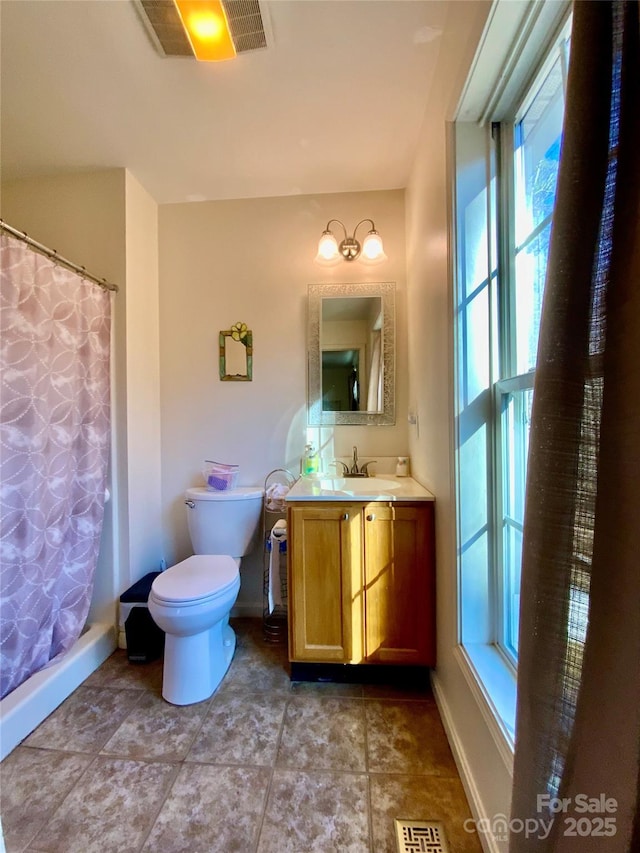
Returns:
(361,471)
(354,471)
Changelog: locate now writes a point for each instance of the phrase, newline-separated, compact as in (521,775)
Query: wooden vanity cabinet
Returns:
(361,583)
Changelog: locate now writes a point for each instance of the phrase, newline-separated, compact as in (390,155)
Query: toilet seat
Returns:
(195,580)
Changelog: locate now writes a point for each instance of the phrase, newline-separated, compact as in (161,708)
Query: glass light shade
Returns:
(328,253)
(372,248)
(206,26)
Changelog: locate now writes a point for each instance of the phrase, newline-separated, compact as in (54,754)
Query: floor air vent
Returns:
(246,24)
(420,836)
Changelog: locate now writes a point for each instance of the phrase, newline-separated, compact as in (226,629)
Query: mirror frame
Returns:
(247,342)
(315,415)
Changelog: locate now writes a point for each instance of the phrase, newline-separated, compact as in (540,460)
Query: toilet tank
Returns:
(224,522)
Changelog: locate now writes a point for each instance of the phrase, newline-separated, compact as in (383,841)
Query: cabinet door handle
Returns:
(345,516)
(370,517)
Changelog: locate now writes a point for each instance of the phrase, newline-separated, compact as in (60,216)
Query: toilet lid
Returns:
(240,493)
(198,577)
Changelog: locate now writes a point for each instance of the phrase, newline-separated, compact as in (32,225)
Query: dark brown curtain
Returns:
(578,714)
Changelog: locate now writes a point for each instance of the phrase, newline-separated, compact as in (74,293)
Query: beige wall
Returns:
(430,328)
(143,382)
(251,261)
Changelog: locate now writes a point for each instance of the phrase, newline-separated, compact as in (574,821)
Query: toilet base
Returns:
(195,665)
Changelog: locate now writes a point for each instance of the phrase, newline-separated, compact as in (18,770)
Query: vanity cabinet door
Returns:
(399,583)
(325,583)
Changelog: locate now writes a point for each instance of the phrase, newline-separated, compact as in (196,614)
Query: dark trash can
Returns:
(145,640)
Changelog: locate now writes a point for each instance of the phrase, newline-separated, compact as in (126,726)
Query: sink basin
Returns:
(357,486)
(367,485)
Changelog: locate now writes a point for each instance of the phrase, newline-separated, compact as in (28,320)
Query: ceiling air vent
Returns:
(246,23)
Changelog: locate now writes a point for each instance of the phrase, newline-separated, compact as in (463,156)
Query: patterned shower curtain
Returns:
(54,448)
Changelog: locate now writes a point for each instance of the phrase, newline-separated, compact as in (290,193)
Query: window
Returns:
(533,154)
(505,183)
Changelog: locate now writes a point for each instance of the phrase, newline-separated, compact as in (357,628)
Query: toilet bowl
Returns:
(192,600)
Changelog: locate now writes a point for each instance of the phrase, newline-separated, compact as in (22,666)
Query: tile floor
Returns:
(264,766)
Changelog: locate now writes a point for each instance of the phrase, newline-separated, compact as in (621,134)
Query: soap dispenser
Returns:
(402,466)
(310,461)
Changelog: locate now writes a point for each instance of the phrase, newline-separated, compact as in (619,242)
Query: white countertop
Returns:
(386,487)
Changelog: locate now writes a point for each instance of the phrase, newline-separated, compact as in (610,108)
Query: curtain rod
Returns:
(51,253)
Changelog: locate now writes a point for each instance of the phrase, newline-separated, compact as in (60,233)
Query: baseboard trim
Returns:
(488,842)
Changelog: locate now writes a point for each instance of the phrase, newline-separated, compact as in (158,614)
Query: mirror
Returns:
(236,354)
(351,358)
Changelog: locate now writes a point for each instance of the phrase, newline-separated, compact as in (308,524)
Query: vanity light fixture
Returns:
(330,252)
(206,26)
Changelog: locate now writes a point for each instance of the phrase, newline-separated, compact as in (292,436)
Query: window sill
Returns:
(493,681)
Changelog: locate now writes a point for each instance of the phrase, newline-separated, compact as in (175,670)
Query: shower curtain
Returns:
(54,447)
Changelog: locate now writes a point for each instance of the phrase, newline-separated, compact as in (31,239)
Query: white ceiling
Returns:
(334,104)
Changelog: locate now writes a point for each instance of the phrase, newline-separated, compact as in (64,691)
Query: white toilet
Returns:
(191,601)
